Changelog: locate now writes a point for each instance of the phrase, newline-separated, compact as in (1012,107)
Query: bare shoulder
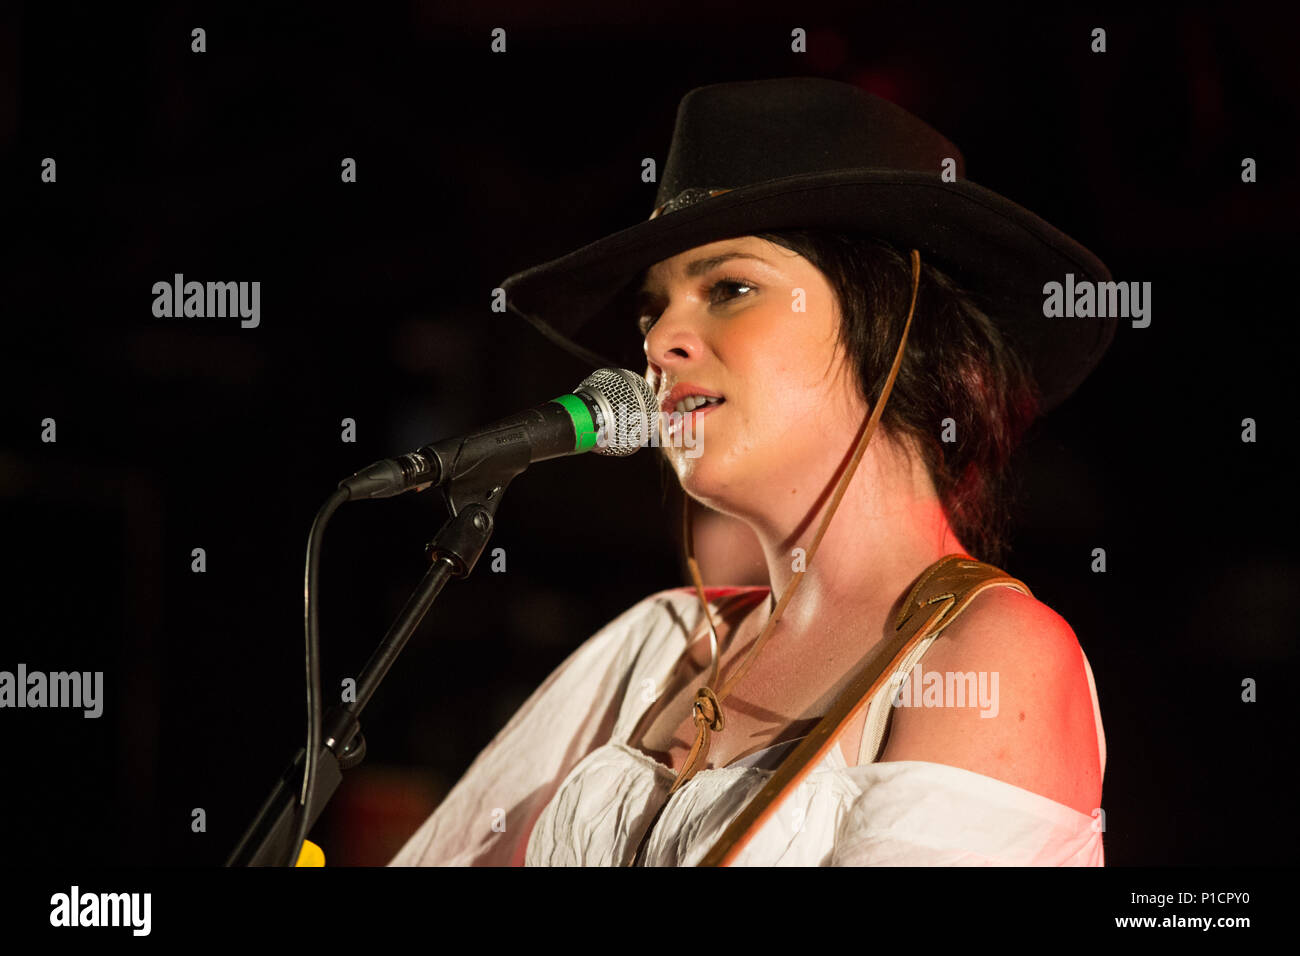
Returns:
(1013,626)
(1032,724)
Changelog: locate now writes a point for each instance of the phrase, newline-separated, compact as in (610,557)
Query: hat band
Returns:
(687,197)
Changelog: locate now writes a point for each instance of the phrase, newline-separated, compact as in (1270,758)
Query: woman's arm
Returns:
(1020,786)
(1037,731)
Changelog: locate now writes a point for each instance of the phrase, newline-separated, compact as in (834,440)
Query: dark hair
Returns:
(957,365)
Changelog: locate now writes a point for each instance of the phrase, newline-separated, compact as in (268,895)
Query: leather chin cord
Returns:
(708,714)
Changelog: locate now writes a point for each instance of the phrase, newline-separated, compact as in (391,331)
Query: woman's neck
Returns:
(888,528)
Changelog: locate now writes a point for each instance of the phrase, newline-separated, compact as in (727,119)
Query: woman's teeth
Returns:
(691,402)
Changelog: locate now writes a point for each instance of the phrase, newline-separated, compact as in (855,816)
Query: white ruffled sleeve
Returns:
(487,816)
(916,813)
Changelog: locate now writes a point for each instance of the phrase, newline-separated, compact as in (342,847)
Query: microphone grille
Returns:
(627,407)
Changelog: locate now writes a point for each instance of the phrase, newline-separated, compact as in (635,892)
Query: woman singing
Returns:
(852,336)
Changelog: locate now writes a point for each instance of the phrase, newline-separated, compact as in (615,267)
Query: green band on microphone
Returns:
(583,426)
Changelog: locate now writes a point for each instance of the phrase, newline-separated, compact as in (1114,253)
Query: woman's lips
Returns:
(674,421)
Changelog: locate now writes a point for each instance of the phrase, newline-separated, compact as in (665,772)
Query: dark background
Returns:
(183,433)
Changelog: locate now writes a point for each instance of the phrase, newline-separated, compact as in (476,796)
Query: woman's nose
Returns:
(672,341)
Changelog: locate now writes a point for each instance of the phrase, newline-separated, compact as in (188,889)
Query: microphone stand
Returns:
(479,473)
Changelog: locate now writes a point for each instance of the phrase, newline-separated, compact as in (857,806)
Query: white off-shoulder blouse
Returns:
(560,785)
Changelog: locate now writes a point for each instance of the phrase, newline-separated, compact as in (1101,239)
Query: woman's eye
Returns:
(725,289)
(719,292)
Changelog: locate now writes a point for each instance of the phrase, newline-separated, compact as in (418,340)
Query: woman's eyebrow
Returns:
(701,266)
(696,268)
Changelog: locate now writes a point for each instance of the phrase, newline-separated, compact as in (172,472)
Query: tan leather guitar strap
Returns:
(942,593)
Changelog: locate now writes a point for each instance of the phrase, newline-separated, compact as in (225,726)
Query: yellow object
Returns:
(311,855)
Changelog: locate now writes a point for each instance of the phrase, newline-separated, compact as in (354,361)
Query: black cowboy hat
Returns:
(813,153)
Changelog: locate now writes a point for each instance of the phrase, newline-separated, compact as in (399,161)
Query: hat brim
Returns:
(995,249)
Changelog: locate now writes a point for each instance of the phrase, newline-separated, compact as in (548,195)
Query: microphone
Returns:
(610,413)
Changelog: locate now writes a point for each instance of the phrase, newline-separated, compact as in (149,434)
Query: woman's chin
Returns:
(701,483)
